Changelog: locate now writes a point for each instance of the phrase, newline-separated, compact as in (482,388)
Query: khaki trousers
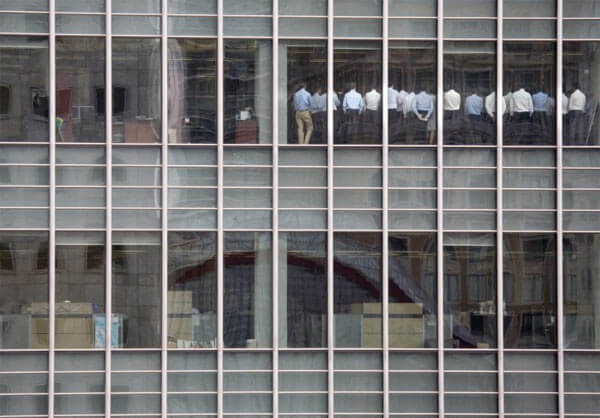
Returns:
(303,119)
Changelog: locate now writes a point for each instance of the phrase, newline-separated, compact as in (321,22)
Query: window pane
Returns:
(539,8)
(470,290)
(80,284)
(579,119)
(470,8)
(470,93)
(412,290)
(248,87)
(530,93)
(529,290)
(79,71)
(192,91)
(303,92)
(357,69)
(581,298)
(192,298)
(136,90)
(24,289)
(24,88)
(248,289)
(80,6)
(303,289)
(357,289)
(136,290)
(412,69)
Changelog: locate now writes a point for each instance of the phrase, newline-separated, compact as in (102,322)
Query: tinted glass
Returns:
(248,88)
(80,89)
(192,297)
(192,97)
(412,69)
(529,290)
(357,77)
(136,90)
(303,289)
(470,93)
(470,290)
(24,88)
(530,93)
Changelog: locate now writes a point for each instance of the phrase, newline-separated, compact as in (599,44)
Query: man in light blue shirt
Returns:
(303,119)
(475,128)
(353,104)
(318,111)
(541,116)
(422,106)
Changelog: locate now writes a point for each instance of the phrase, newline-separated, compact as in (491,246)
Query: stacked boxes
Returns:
(179,321)
(74,326)
(405,324)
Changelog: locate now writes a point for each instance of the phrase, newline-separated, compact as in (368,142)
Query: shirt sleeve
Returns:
(429,108)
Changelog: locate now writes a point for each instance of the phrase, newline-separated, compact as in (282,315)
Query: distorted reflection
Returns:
(412,71)
(412,290)
(357,67)
(470,290)
(529,290)
(530,93)
(469,93)
(357,289)
(581,103)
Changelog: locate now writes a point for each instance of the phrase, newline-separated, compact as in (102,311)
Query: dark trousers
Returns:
(371,133)
(577,127)
(350,129)
(320,126)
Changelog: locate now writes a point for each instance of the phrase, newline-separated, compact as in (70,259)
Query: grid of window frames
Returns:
(299,208)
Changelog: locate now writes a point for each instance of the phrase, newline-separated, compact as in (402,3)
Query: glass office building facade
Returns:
(186,232)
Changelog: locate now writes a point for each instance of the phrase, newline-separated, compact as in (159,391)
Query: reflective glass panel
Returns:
(530,93)
(470,290)
(136,90)
(136,301)
(80,284)
(581,123)
(412,69)
(470,93)
(248,87)
(357,289)
(581,295)
(24,85)
(192,297)
(303,289)
(80,89)
(357,72)
(192,91)
(248,289)
(24,290)
(412,290)
(303,92)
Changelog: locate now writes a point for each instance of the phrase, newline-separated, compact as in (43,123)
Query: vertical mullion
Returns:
(220,115)
(384,198)
(275,203)
(108,243)
(164,218)
(559,211)
(440,204)
(499,206)
(52,214)
(330,248)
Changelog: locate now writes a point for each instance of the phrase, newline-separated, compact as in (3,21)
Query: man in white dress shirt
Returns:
(576,118)
(452,118)
(371,129)
(521,110)
(392,112)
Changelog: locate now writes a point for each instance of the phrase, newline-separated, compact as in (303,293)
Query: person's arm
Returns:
(345,105)
(414,107)
(530,104)
(362,105)
(429,108)
(488,106)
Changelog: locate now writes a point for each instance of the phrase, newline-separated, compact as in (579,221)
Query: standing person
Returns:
(318,112)
(576,117)
(353,105)
(452,119)
(392,112)
(473,110)
(303,118)
(372,105)
(422,107)
(541,123)
(521,110)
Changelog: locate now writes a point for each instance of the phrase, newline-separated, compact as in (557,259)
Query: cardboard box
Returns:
(374,308)
(406,341)
(38,341)
(74,325)
(179,302)
(406,326)
(180,328)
